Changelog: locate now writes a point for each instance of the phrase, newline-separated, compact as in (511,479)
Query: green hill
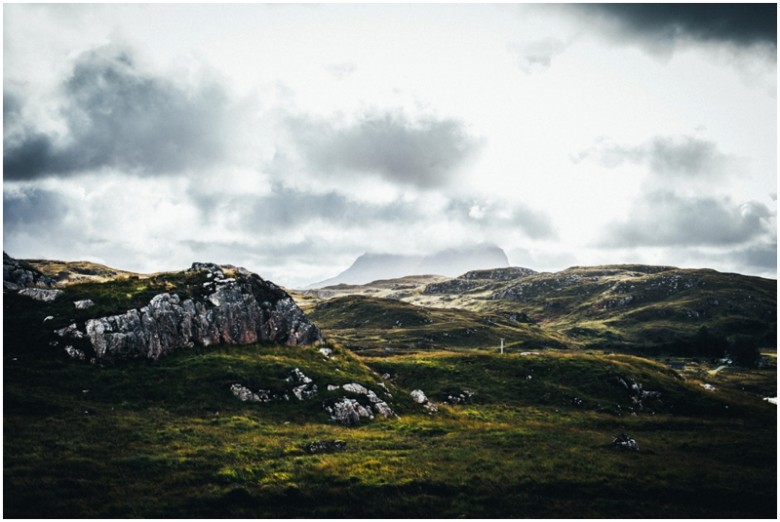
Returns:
(253,430)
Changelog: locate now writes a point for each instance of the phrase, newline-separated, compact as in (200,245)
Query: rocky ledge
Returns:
(241,309)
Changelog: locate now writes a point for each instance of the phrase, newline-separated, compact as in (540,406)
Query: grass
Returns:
(167,439)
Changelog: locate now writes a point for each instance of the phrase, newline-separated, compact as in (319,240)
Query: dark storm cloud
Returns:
(119,116)
(286,208)
(761,257)
(535,224)
(31,209)
(682,156)
(665,219)
(737,24)
(423,153)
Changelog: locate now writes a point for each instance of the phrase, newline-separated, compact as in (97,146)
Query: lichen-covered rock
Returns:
(46,295)
(18,275)
(239,310)
(83,304)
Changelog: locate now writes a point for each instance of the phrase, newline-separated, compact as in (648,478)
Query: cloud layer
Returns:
(665,219)
(117,115)
(667,24)
(424,153)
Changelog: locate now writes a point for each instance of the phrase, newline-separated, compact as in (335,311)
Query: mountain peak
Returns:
(372,266)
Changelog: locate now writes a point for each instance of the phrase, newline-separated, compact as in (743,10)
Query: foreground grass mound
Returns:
(167,438)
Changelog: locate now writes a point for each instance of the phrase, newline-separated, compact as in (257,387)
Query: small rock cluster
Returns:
(306,388)
(349,411)
(324,446)
(625,442)
(419,397)
(457,396)
(636,394)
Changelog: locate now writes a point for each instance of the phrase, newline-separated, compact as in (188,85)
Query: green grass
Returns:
(167,439)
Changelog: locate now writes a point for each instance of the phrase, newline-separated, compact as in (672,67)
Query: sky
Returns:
(290,139)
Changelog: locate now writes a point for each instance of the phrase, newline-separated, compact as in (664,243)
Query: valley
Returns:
(601,406)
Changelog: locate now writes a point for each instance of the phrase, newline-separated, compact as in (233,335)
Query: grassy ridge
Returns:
(375,326)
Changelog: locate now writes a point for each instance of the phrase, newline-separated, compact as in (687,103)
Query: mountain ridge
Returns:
(370,267)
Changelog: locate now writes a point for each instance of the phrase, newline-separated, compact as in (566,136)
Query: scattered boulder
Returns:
(75,353)
(46,295)
(347,411)
(379,406)
(625,442)
(244,394)
(83,304)
(457,396)
(708,387)
(324,446)
(419,397)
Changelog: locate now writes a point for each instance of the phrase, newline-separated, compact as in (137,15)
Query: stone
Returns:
(46,295)
(347,411)
(75,353)
(325,446)
(354,387)
(71,331)
(625,442)
(327,352)
(83,304)
(305,392)
(297,376)
(244,394)
(419,397)
(333,387)
(241,310)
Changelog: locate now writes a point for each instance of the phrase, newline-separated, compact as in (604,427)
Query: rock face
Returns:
(239,310)
(18,274)
(46,295)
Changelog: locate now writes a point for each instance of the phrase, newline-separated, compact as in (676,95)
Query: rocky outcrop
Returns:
(242,309)
(47,295)
(349,411)
(18,275)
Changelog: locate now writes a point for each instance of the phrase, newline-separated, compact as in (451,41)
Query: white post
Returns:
(502,346)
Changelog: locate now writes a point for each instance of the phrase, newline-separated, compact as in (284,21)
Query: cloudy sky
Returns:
(291,139)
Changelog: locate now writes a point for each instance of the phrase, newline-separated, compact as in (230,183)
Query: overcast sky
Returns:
(291,139)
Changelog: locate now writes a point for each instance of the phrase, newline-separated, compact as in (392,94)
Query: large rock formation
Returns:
(242,309)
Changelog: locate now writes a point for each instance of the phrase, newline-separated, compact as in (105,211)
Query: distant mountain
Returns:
(450,262)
